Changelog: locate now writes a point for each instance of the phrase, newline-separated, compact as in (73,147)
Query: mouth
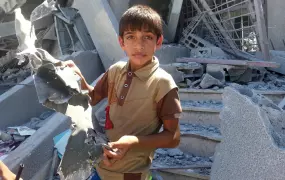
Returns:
(139,55)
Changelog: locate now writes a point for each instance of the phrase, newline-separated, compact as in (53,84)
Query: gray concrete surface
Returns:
(276,23)
(89,63)
(19,104)
(103,27)
(119,7)
(253,133)
(169,52)
(37,149)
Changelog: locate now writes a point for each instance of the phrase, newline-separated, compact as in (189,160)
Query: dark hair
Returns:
(139,17)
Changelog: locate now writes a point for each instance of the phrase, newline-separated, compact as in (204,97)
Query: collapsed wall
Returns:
(253,138)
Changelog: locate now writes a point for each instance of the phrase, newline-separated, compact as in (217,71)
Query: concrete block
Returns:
(279,57)
(216,71)
(7,29)
(88,62)
(103,28)
(209,52)
(178,76)
(209,81)
(253,138)
(38,148)
(9,5)
(174,18)
(119,7)
(191,69)
(168,53)
(13,104)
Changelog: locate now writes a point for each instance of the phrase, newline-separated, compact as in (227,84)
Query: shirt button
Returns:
(126,85)
(130,73)
(122,97)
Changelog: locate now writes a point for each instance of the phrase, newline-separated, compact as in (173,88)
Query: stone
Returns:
(5,137)
(194,159)
(169,52)
(161,151)
(45,115)
(253,138)
(209,81)
(209,52)
(216,71)
(174,152)
(177,76)
(18,138)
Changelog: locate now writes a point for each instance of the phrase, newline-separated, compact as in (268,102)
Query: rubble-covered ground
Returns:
(12,137)
(176,158)
(202,103)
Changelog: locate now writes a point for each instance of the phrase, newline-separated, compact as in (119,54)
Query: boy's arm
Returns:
(169,110)
(100,91)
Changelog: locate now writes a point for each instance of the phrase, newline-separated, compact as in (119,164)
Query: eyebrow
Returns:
(132,32)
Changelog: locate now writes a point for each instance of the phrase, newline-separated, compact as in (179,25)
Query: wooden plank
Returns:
(230,62)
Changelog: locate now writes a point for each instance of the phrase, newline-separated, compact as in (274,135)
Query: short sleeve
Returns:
(100,90)
(169,106)
(165,84)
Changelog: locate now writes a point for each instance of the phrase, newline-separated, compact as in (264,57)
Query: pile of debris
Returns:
(59,31)
(176,159)
(12,137)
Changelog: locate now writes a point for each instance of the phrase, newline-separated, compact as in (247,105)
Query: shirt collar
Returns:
(145,72)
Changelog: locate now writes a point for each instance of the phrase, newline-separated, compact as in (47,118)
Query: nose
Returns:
(139,44)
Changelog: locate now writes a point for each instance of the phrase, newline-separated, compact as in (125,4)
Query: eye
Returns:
(148,37)
(130,37)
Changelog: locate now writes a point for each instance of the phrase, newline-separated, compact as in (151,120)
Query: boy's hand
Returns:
(5,172)
(72,65)
(120,147)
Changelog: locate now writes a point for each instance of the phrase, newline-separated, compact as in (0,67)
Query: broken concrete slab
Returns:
(37,149)
(7,29)
(209,52)
(168,53)
(178,76)
(10,5)
(216,71)
(253,138)
(278,57)
(103,28)
(174,18)
(209,81)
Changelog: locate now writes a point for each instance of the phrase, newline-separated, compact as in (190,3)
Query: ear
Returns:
(121,41)
(159,42)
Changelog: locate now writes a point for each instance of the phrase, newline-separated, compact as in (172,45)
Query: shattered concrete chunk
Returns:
(10,5)
(216,71)
(178,76)
(209,52)
(174,152)
(209,81)
(168,53)
(253,138)
(5,137)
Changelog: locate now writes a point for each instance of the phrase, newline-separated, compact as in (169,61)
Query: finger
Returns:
(113,155)
(106,160)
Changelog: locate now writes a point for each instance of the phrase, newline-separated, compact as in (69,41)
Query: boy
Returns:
(141,98)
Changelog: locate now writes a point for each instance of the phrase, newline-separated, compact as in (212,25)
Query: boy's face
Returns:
(140,46)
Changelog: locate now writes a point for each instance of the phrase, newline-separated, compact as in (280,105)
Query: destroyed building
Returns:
(222,54)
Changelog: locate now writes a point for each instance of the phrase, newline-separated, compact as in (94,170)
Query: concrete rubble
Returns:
(12,137)
(231,44)
(263,123)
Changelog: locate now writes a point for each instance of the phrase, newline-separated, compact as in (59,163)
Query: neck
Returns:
(135,67)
